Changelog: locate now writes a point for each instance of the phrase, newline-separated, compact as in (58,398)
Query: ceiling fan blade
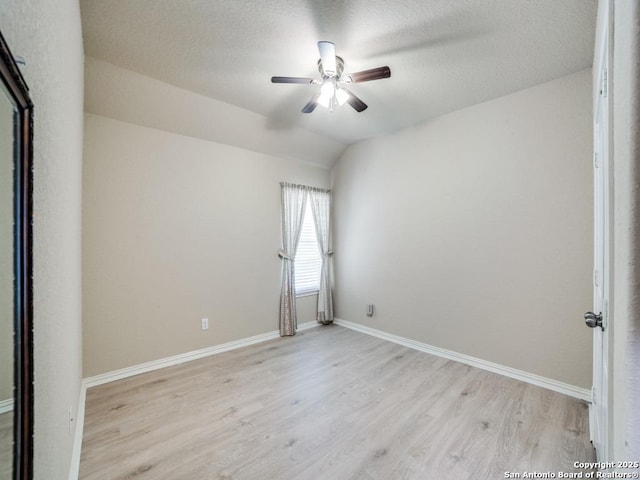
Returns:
(328,58)
(313,103)
(368,75)
(357,104)
(291,80)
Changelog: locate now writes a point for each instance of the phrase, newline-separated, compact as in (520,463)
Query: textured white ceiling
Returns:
(443,54)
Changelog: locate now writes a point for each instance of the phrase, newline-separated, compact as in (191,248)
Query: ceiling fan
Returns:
(332,90)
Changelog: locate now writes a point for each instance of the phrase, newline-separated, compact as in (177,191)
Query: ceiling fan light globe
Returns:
(341,96)
(328,89)
(325,100)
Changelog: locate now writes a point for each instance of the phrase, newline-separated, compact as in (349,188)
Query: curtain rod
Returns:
(305,187)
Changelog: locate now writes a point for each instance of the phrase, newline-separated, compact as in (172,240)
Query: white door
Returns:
(598,319)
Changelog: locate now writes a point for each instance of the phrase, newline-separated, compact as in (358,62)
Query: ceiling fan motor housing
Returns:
(339,68)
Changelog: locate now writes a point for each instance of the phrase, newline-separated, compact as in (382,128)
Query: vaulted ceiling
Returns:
(444,54)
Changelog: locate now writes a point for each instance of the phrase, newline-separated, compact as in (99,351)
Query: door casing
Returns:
(600,407)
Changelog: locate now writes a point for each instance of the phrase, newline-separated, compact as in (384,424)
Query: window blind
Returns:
(308,259)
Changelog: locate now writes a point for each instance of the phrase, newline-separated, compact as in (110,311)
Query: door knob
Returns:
(593,320)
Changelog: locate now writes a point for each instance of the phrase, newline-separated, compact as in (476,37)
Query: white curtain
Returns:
(321,208)
(293,202)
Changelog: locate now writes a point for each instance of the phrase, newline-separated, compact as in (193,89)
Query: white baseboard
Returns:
(556,386)
(186,357)
(74,471)
(151,366)
(6,405)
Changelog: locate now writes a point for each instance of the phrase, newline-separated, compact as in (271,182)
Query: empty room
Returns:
(299,239)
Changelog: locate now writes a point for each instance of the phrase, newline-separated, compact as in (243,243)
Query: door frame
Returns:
(599,410)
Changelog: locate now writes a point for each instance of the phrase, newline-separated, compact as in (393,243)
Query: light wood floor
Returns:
(6,445)
(333,404)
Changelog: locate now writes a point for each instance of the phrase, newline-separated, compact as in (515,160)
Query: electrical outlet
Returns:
(71,420)
(205,323)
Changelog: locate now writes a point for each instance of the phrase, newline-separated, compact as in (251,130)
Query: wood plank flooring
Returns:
(329,403)
(6,445)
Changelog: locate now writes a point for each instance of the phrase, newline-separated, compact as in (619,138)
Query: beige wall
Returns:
(473,232)
(48,35)
(177,229)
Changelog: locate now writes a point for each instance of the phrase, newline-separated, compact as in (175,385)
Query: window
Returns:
(308,259)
